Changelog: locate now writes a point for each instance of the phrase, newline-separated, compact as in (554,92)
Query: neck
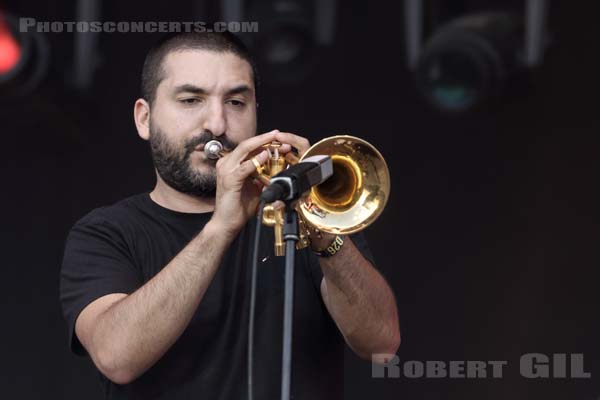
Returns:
(167,197)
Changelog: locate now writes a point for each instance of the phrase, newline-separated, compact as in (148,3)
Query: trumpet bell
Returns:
(357,192)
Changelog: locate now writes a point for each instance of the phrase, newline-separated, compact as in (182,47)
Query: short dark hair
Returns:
(153,72)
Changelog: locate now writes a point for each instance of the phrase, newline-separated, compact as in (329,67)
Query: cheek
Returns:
(242,124)
(173,121)
(180,120)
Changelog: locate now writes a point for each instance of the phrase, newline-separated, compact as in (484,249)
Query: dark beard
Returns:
(174,164)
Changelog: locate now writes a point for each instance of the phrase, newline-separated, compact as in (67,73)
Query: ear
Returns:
(141,115)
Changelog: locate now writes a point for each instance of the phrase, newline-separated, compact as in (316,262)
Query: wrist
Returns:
(333,246)
(216,226)
(321,241)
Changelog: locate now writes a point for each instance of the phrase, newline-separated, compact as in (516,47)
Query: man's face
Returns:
(204,95)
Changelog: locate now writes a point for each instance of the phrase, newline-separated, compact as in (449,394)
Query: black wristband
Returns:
(333,248)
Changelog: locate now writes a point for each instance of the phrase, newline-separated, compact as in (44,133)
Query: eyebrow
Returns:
(188,88)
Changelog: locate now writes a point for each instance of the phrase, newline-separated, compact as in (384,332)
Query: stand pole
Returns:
(290,235)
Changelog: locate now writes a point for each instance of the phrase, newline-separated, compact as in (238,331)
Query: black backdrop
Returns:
(489,239)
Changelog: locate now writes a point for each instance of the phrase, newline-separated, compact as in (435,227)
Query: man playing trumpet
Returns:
(155,287)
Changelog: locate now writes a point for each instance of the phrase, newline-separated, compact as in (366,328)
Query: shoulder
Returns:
(119,214)
(119,221)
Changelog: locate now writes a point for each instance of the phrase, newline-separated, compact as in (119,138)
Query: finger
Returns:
(285,148)
(254,153)
(248,167)
(258,184)
(245,147)
(302,144)
(278,205)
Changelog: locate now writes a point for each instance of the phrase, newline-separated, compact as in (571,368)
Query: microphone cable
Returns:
(253,299)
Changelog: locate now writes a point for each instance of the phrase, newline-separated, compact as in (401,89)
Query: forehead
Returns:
(207,69)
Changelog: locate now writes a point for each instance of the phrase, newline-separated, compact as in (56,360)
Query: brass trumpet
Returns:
(349,201)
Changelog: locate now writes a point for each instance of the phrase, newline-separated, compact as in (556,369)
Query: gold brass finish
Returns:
(357,192)
(349,201)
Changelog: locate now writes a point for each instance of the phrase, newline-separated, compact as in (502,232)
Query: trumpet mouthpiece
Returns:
(212,149)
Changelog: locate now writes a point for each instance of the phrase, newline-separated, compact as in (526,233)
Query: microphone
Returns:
(298,179)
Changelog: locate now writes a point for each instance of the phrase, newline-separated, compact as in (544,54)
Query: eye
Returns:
(236,103)
(189,101)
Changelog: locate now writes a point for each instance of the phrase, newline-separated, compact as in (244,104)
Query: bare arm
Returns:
(360,302)
(357,297)
(126,334)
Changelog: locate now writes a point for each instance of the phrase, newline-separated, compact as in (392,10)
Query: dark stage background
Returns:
(490,239)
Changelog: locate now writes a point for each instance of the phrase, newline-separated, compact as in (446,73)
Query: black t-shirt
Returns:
(117,249)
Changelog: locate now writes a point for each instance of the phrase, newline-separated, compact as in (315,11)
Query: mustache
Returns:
(204,138)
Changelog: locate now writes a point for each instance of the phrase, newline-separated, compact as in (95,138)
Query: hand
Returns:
(299,142)
(237,196)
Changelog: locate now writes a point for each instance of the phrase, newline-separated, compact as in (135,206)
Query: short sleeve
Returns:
(361,244)
(96,262)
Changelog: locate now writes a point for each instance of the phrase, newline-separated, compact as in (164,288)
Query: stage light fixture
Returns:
(10,50)
(472,59)
(290,34)
(469,60)
(24,58)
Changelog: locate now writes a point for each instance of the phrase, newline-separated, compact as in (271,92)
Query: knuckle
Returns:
(242,170)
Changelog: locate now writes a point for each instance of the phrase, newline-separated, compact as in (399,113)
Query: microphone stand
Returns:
(290,235)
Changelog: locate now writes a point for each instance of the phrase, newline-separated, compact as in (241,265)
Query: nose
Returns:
(214,118)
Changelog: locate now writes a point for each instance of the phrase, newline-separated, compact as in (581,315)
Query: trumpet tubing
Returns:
(357,192)
(349,201)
